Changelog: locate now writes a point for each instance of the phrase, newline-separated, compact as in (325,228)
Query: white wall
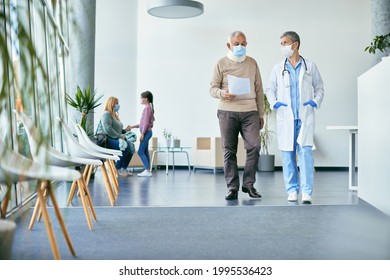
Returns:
(175,59)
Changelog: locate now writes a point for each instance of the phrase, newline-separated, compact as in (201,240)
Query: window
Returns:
(35,34)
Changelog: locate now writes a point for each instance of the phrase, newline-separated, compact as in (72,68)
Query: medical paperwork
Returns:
(238,85)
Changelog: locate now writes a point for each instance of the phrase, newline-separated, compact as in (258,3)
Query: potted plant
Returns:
(380,42)
(84,101)
(176,142)
(168,137)
(266,161)
(7,230)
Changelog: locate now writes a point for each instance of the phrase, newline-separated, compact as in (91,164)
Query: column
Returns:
(380,23)
(81,68)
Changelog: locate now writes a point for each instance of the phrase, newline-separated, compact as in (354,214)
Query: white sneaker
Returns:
(293,196)
(306,198)
(145,173)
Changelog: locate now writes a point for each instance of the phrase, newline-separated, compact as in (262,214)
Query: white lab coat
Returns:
(310,88)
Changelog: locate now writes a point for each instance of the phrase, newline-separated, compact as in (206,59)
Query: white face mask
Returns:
(287,51)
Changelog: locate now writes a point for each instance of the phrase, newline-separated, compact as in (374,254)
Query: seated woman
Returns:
(111,125)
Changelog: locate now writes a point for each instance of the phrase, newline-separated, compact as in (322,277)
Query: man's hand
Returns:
(261,123)
(229,96)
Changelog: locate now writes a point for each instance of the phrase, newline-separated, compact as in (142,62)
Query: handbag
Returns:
(100,139)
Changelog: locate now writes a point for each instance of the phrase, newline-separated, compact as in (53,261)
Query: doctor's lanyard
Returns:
(286,78)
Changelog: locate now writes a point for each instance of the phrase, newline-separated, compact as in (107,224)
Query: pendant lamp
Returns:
(175,9)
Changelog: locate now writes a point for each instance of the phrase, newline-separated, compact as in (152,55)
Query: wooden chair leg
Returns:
(39,210)
(113,178)
(84,203)
(71,192)
(87,173)
(46,220)
(88,196)
(34,215)
(4,202)
(84,186)
(114,170)
(108,185)
(84,194)
(114,167)
(60,219)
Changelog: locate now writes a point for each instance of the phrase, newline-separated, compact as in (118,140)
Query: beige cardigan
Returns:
(253,101)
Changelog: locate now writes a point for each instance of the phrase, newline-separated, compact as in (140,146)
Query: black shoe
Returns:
(252,192)
(232,195)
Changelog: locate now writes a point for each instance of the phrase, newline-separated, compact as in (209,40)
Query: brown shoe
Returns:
(232,195)
(252,192)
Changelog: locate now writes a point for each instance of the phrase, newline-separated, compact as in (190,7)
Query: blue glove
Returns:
(278,104)
(311,103)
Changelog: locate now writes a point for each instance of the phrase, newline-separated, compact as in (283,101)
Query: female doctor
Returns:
(294,91)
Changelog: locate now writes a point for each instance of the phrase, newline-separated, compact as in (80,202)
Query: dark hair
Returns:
(149,96)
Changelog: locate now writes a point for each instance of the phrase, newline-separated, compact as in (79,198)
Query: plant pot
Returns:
(7,230)
(266,163)
(168,142)
(176,143)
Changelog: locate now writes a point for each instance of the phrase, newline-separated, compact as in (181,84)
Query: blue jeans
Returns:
(305,164)
(143,150)
(248,125)
(124,160)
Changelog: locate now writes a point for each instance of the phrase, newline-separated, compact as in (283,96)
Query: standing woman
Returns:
(145,127)
(111,125)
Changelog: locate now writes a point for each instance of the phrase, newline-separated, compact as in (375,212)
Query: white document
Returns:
(238,85)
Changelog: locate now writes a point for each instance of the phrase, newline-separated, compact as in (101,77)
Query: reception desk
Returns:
(353,131)
(374,136)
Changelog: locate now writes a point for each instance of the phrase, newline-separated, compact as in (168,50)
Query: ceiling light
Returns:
(175,8)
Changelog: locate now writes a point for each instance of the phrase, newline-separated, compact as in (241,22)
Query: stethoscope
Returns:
(287,77)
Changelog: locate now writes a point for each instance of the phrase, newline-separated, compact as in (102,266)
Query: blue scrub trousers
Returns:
(305,164)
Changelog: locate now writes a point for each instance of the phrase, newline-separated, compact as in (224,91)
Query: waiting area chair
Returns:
(16,168)
(54,157)
(75,149)
(86,142)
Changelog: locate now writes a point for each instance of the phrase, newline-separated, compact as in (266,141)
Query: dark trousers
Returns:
(248,125)
(124,160)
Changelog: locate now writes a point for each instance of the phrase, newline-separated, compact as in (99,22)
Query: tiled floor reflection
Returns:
(181,188)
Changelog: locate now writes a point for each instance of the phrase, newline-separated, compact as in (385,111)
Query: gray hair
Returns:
(293,36)
(234,34)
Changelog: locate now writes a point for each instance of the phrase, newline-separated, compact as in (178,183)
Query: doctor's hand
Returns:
(311,103)
(279,104)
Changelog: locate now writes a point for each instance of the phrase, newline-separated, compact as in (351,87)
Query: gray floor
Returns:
(182,215)
(180,188)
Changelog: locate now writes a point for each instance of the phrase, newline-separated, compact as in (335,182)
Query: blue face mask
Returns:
(117,107)
(239,51)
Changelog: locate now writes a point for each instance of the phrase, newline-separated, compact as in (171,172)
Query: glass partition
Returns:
(34,76)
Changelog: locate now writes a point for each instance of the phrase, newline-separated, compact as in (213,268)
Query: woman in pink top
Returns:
(145,127)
